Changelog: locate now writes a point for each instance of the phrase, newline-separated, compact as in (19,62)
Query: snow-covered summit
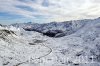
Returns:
(56,29)
(49,27)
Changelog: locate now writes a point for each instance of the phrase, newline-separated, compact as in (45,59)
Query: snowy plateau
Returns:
(69,43)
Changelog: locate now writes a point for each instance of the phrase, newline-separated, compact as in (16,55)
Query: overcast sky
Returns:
(44,11)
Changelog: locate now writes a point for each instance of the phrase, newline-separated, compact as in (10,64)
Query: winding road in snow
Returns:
(50,51)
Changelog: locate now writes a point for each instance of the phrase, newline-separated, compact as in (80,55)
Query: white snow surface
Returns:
(23,48)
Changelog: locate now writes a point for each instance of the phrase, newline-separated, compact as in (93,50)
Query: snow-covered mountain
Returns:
(31,48)
(54,29)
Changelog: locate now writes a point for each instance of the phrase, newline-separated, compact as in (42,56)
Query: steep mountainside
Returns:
(54,29)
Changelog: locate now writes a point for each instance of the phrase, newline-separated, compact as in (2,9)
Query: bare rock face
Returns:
(4,33)
(52,33)
(0,25)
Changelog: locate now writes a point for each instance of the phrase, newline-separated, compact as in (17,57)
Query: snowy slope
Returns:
(16,49)
(29,48)
(54,29)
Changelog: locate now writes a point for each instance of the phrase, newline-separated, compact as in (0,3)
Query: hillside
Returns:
(31,48)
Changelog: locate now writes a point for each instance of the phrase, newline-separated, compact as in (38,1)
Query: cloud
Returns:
(52,10)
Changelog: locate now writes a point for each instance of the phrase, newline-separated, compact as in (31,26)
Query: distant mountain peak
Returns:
(30,22)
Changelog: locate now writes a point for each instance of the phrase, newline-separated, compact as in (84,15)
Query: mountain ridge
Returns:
(54,29)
